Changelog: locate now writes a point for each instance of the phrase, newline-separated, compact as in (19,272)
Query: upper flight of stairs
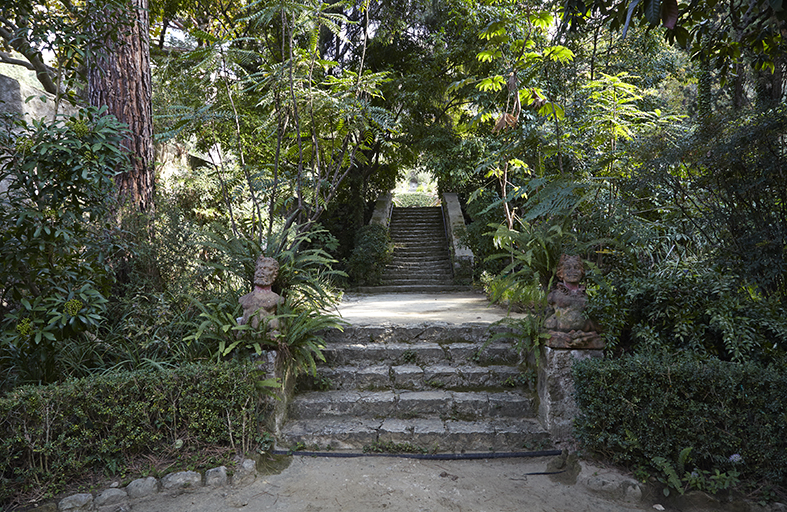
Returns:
(437,388)
(421,258)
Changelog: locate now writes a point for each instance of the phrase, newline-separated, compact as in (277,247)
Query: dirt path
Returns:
(392,484)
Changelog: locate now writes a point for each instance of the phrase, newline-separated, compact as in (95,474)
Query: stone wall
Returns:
(382,210)
(461,255)
(557,408)
(14,98)
(27,103)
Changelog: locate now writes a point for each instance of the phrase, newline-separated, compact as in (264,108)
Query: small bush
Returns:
(683,419)
(373,251)
(52,434)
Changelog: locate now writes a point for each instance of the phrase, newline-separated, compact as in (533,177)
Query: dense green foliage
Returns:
(683,308)
(699,417)
(56,244)
(373,250)
(52,435)
(662,166)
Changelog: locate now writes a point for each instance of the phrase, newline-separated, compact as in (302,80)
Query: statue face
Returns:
(266,271)
(571,269)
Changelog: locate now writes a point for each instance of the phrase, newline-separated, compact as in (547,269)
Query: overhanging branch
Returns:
(33,57)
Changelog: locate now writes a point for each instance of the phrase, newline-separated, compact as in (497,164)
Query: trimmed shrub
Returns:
(679,418)
(373,251)
(415,200)
(52,434)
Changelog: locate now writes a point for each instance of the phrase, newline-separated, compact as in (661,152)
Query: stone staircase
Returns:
(434,387)
(421,259)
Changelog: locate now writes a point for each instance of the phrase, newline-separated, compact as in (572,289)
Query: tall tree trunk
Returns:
(119,78)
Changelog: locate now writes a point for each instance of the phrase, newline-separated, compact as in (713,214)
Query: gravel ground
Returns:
(394,484)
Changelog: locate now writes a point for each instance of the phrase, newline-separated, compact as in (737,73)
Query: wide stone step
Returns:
(413,264)
(425,240)
(419,378)
(414,289)
(421,254)
(405,281)
(403,263)
(417,335)
(423,244)
(410,264)
(365,352)
(456,436)
(413,404)
(425,227)
(400,226)
(442,273)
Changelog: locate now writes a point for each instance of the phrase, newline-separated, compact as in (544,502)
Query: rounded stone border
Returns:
(116,499)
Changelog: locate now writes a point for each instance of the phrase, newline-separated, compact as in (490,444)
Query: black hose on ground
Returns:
(425,456)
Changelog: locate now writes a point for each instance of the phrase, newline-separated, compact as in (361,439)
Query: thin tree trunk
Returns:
(119,78)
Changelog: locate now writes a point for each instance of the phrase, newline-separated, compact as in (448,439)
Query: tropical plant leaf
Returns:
(632,6)
(653,11)
(669,13)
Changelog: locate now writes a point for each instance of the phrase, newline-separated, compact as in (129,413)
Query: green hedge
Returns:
(414,200)
(52,434)
(373,250)
(640,408)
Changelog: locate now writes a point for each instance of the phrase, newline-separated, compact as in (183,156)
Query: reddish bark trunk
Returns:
(120,79)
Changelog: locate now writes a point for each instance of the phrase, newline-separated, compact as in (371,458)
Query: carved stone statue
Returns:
(262,302)
(567,326)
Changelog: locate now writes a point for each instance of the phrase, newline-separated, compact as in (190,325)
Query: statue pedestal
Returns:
(557,408)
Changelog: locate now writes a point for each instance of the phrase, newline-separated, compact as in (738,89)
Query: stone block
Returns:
(610,483)
(76,503)
(245,473)
(216,477)
(181,480)
(469,436)
(111,496)
(142,487)
(511,405)
(469,406)
(422,404)
(408,377)
(373,377)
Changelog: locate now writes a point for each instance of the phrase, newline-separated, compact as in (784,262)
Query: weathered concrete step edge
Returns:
(413,289)
(406,281)
(411,248)
(400,223)
(364,353)
(406,228)
(495,435)
(414,404)
(435,235)
(437,275)
(394,270)
(416,378)
(426,254)
(418,334)
(417,263)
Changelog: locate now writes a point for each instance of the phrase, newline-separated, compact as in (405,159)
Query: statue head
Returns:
(570,269)
(266,271)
